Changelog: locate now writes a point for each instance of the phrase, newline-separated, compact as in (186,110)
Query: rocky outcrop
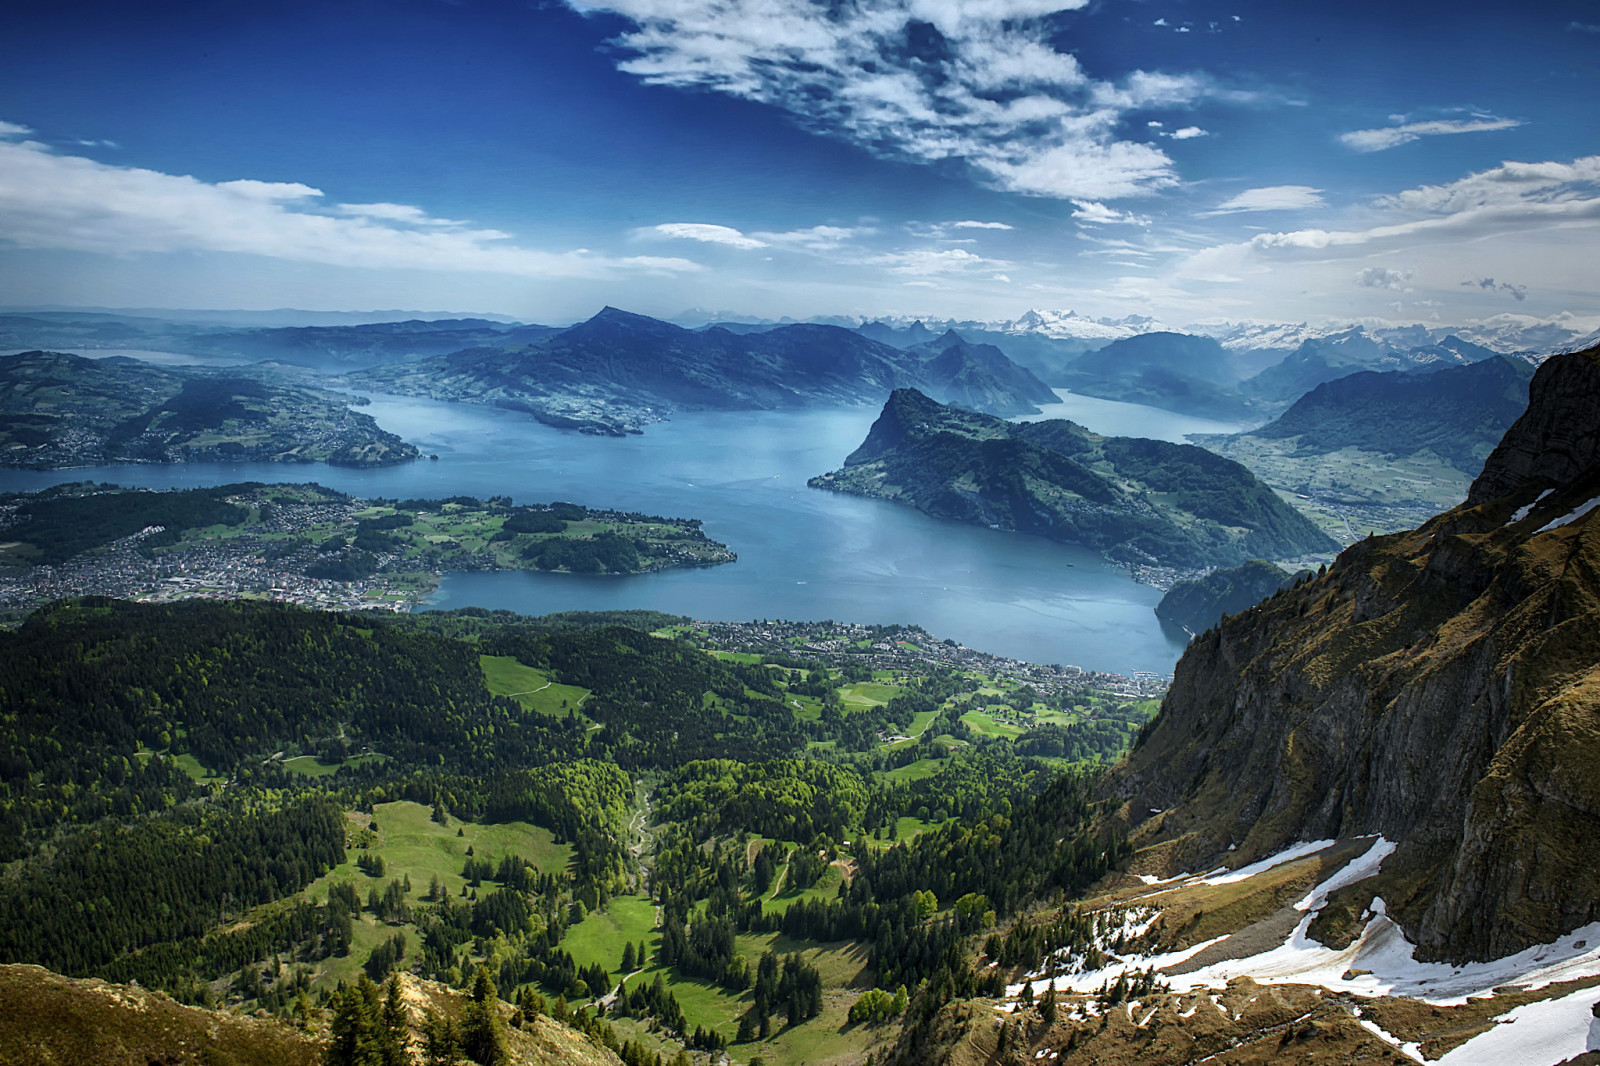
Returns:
(1557,439)
(1440,687)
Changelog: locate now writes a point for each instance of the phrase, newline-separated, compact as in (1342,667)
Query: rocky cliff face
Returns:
(1440,687)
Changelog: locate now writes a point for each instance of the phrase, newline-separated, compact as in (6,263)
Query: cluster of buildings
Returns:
(896,648)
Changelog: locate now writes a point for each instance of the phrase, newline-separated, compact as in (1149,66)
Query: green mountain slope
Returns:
(63,410)
(1138,501)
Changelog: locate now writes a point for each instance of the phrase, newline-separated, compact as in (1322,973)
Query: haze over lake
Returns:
(803,553)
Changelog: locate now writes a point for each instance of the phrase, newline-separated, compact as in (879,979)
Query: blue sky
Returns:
(1186,159)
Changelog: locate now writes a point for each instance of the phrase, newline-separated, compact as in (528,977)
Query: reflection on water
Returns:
(803,553)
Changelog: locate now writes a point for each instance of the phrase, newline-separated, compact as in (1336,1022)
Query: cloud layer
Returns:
(924,80)
(54,201)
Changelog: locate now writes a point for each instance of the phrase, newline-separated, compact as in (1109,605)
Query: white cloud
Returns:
(1393,136)
(817,238)
(1508,185)
(1537,222)
(1096,213)
(1188,133)
(970,224)
(702,231)
(13,129)
(977,81)
(931,262)
(52,201)
(1382,278)
(1271,198)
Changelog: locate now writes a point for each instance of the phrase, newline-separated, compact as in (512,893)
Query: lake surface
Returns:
(804,554)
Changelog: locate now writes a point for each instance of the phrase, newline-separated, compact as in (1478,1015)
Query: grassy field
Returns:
(311,766)
(600,936)
(412,845)
(989,726)
(827,887)
(914,771)
(919,722)
(863,694)
(529,687)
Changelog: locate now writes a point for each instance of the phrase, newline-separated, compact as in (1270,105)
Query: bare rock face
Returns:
(1559,436)
(1440,687)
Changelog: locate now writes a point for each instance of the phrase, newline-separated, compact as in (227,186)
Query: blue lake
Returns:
(804,554)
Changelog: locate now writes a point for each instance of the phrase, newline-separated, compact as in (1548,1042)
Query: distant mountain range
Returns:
(1226,371)
(619,371)
(1142,502)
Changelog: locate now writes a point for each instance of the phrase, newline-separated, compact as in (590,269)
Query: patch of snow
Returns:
(1147,1017)
(1537,1034)
(1358,869)
(1527,509)
(1244,873)
(1411,1049)
(1570,516)
(1382,950)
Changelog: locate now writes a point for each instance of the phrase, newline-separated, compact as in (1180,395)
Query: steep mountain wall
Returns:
(1440,687)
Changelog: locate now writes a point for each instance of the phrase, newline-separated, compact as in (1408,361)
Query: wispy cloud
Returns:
(705,232)
(1510,197)
(970,224)
(1096,213)
(13,129)
(1188,133)
(922,80)
(933,262)
(49,200)
(403,213)
(817,238)
(1271,198)
(1377,140)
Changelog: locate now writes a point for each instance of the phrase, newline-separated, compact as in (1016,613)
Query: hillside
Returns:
(1199,604)
(64,410)
(1438,687)
(50,1020)
(1384,451)
(618,372)
(1139,501)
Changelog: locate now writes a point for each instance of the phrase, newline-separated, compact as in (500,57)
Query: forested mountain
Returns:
(1138,501)
(1459,414)
(64,410)
(1201,603)
(619,371)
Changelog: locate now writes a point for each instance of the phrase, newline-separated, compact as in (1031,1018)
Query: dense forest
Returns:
(189,798)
